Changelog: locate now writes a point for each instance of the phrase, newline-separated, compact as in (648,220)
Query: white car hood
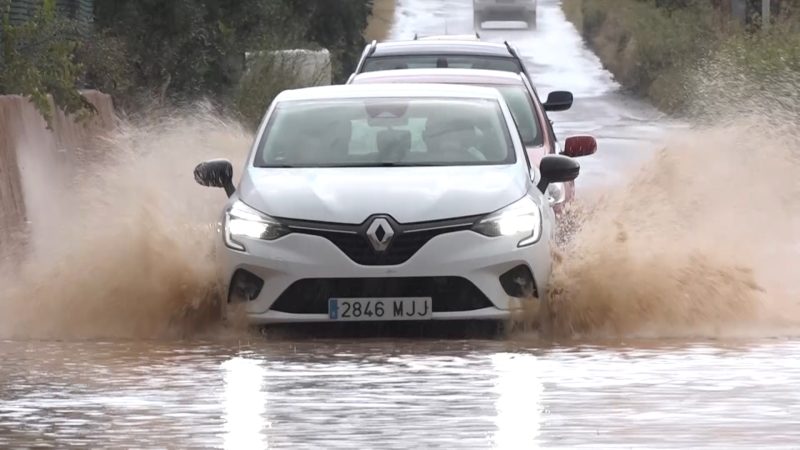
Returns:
(408,194)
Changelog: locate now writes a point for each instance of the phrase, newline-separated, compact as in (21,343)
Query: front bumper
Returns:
(461,257)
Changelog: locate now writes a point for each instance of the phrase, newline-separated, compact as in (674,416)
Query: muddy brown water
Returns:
(675,315)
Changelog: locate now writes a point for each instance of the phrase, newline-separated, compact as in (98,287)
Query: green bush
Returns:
(266,77)
(173,51)
(184,49)
(764,53)
(594,16)
(663,47)
(751,72)
(106,64)
(668,44)
(338,26)
(38,62)
(573,11)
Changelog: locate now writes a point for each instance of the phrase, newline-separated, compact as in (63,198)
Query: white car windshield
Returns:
(386,132)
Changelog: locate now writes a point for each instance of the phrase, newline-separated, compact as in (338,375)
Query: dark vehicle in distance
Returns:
(506,10)
(441,53)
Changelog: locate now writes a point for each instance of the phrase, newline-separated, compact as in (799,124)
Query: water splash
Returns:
(702,240)
(133,255)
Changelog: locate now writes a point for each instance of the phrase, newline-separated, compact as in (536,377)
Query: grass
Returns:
(663,54)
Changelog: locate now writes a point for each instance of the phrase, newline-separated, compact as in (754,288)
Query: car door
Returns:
(551,141)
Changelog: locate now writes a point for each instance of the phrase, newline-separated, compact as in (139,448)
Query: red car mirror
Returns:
(576,146)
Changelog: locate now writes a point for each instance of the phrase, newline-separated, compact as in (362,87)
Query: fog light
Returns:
(518,282)
(245,287)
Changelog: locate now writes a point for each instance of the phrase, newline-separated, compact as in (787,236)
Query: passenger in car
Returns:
(449,139)
(393,145)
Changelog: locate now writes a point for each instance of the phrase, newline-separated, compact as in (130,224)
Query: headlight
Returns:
(522,218)
(242,221)
(556,193)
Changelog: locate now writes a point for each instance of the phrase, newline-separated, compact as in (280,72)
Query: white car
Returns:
(386,202)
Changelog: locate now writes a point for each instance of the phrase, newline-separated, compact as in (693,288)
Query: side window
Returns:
(523,111)
(547,121)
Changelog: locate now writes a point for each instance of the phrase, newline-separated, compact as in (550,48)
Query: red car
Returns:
(529,112)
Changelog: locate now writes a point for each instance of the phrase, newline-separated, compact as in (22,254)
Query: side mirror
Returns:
(215,173)
(558,101)
(557,169)
(576,146)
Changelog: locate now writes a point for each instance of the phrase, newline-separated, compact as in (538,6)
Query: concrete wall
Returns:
(36,162)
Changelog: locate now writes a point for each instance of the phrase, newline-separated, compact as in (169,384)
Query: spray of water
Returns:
(132,256)
(703,240)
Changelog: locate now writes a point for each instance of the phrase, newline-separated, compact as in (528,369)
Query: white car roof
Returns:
(381,90)
(444,74)
(451,46)
(449,37)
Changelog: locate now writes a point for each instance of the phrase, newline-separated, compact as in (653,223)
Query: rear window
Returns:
(377,63)
(381,132)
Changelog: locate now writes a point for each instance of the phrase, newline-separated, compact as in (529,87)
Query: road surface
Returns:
(384,392)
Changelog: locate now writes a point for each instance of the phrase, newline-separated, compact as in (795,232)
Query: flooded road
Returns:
(400,394)
(523,392)
(625,127)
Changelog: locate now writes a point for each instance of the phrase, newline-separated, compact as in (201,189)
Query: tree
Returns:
(38,61)
(178,50)
(338,26)
(183,49)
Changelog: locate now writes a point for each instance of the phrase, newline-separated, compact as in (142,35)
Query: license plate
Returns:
(366,309)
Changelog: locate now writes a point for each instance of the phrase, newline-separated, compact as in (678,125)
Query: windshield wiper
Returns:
(352,165)
(403,164)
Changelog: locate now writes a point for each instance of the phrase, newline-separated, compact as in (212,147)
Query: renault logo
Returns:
(380,234)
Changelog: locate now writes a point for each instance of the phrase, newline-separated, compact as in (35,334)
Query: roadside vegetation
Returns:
(682,53)
(38,60)
(172,52)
